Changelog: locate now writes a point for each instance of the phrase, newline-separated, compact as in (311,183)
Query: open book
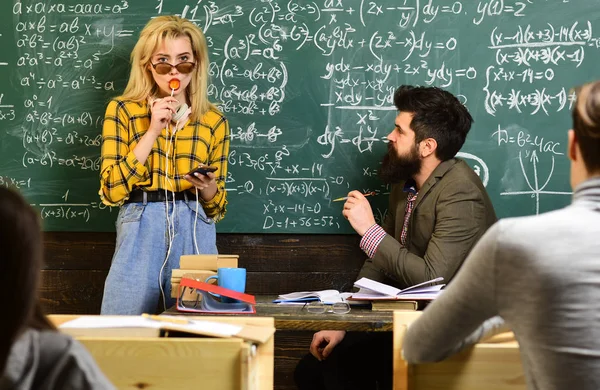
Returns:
(371,290)
(328,297)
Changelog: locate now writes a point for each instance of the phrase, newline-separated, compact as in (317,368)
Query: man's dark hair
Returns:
(437,114)
(586,124)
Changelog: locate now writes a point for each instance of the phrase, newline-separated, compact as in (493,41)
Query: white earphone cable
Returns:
(170,220)
(196,223)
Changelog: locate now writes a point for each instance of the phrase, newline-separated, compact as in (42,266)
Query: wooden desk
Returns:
(164,363)
(295,328)
(297,318)
(491,364)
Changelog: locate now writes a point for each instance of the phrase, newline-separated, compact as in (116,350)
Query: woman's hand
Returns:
(162,111)
(205,184)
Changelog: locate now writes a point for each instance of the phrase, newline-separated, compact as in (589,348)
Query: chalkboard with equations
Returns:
(307,87)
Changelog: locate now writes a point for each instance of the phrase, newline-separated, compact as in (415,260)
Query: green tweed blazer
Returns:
(451,213)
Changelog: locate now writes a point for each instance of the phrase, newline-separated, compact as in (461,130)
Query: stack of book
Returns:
(384,297)
(398,305)
(199,267)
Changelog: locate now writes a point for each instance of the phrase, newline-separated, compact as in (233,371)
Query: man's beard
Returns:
(395,168)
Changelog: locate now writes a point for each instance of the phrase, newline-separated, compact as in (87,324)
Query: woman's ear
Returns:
(572,145)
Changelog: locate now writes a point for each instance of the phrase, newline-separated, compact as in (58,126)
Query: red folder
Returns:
(217,307)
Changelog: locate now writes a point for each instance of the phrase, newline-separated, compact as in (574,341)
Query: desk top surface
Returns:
(296,317)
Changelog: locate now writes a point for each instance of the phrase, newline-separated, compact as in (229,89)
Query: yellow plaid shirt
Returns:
(205,141)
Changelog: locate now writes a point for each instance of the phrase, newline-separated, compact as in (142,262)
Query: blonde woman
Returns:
(154,135)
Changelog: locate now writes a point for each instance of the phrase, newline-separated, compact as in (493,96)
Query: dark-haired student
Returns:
(438,209)
(540,274)
(33,354)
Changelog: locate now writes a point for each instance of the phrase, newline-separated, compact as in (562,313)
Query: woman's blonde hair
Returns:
(141,85)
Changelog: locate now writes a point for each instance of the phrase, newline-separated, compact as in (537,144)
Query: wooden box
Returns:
(494,364)
(131,360)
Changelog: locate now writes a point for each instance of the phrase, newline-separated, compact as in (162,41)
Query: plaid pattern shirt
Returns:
(410,205)
(375,234)
(371,240)
(204,141)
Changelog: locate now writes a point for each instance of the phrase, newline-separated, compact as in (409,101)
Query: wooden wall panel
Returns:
(290,347)
(77,264)
(72,291)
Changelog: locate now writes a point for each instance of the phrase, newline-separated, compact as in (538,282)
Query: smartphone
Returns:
(202,169)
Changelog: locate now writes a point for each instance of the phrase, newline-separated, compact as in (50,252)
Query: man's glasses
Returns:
(182,67)
(319,308)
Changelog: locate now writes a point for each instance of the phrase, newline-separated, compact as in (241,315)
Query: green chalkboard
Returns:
(307,87)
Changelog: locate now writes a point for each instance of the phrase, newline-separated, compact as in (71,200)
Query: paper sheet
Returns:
(96,322)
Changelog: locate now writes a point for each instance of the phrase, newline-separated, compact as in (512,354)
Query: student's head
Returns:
(20,265)
(584,138)
(431,125)
(176,41)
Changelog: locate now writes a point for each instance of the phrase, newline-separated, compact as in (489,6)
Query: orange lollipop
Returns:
(174,84)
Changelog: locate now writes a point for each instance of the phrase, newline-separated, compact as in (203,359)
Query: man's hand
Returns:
(357,210)
(324,341)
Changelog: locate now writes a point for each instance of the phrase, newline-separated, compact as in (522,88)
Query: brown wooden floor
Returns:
(77,264)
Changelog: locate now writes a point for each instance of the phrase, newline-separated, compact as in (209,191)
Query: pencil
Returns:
(167,319)
(345,197)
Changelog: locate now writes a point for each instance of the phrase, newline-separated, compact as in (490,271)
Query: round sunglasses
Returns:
(182,67)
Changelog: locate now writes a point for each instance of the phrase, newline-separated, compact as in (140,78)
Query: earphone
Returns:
(179,113)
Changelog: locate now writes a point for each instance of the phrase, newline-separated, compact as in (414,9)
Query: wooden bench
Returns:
(133,362)
(494,364)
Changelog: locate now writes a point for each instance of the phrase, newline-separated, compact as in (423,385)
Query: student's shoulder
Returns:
(526,226)
(43,346)
(62,353)
(54,341)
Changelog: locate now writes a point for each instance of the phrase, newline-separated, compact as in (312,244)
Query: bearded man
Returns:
(438,209)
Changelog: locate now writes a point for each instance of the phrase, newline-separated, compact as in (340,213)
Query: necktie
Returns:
(410,204)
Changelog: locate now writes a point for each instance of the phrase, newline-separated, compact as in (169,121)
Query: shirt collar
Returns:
(588,191)
(410,186)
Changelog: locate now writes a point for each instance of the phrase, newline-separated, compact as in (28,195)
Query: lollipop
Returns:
(174,84)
